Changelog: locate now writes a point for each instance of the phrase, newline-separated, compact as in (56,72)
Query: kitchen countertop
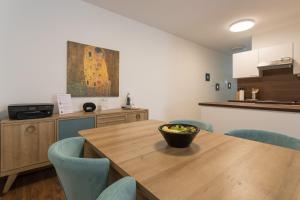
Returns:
(253,105)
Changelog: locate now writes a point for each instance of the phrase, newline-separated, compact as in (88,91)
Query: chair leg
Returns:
(10,180)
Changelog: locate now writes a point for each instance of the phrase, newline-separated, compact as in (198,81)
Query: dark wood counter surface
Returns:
(258,106)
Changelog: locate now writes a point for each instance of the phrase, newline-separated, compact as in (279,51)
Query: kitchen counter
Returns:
(226,116)
(253,105)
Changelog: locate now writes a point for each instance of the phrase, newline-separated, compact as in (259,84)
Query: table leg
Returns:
(88,151)
(140,196)
(10,180)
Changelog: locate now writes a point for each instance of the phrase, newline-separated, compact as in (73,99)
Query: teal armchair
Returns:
(267,137)
(85,178)
(124,189)
(200,124)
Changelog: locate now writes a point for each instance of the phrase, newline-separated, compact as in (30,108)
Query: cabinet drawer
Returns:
(139,116)
(112,119)
(26,144)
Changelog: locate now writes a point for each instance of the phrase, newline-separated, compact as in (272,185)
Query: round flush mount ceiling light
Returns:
(242,25)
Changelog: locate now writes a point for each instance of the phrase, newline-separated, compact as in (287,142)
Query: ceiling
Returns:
(206,21)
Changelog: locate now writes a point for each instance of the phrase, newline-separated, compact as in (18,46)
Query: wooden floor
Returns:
(40,185)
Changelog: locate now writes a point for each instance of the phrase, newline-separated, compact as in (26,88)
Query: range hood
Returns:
(277,64)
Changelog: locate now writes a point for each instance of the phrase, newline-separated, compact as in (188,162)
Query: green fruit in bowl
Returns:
(179,129)
(178,135)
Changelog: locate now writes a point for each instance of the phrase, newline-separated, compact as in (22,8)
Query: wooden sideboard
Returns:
(24,143)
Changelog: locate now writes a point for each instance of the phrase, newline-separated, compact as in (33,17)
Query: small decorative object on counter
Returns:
(254,92)
(89,107)
(64,102)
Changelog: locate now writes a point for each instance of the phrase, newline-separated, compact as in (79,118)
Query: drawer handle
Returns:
(138,116)
(30,129)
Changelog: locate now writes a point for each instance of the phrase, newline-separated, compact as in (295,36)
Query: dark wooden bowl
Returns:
(178,140)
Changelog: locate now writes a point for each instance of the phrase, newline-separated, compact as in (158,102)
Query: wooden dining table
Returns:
(214,167)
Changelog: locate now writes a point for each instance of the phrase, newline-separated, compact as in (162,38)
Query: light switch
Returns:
(217,86)
(207,76)
(229,85)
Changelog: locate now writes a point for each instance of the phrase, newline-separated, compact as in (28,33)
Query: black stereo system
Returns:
(30,111)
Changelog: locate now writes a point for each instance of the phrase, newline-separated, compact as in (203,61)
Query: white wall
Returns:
(161,71)
(227,119)
(280,34)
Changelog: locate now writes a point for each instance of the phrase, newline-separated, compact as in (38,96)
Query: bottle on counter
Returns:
(237,95)
(240,94)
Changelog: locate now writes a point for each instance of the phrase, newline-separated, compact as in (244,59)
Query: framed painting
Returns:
(92,71)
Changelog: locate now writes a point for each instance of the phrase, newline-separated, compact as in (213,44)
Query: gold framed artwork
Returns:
(92,71)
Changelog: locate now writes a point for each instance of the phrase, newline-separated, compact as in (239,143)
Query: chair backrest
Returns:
(81,178)
(200,124)
(267,137)
(123,189)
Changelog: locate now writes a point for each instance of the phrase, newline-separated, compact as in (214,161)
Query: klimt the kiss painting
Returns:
(92,71)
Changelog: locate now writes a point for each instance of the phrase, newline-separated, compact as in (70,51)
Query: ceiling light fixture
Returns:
(242,25)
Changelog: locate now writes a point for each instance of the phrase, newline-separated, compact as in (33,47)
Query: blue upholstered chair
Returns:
(86,178)
(200,124)
(124,189)
(267,137)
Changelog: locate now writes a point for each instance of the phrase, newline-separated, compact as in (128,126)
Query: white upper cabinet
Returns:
(297,57)
(269,54)
(245,64)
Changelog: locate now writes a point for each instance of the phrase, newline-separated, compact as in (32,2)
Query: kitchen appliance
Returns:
(277,64)
(30,111)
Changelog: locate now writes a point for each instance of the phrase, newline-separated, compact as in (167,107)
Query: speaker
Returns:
(89,107)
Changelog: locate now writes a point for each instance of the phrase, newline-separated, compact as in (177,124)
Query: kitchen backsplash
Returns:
(277,84)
